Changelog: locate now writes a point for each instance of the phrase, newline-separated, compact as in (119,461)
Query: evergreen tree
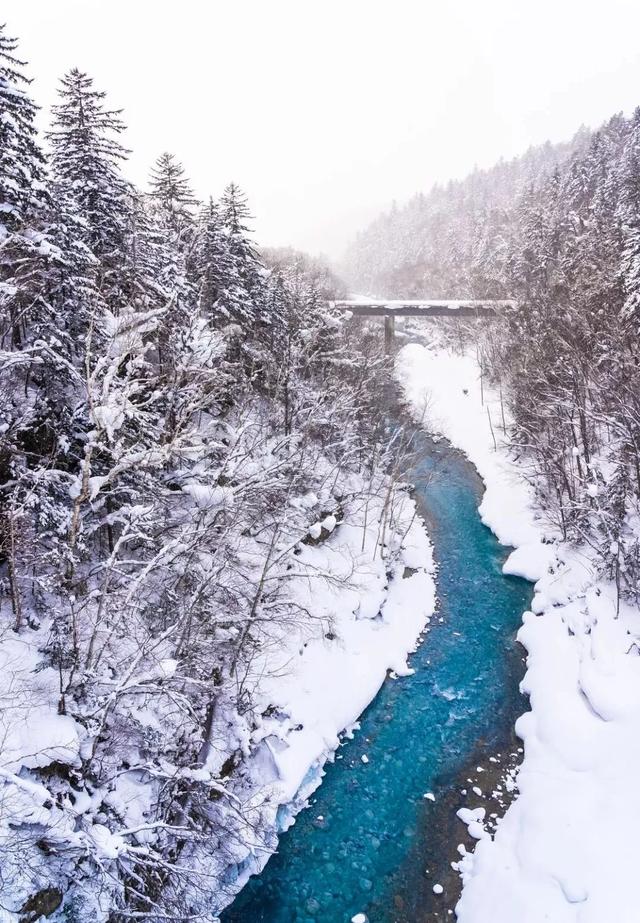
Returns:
(48,302)
(21,159)
(23,197)
(150,256)
(629,217)
(86,158)
(220,298)
(22,205)
(249,273)
(172,194)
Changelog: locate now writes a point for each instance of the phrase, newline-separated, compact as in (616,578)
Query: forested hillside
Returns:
(559,231)
(448,243)
(184,428)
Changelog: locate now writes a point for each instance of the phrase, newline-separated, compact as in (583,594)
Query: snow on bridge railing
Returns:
(367,307)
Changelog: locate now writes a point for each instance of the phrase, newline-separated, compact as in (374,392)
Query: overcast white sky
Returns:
(324,111)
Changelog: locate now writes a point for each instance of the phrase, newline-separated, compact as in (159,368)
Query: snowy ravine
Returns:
(564,851)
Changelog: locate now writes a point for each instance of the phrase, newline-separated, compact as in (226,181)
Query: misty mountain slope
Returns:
(432,245)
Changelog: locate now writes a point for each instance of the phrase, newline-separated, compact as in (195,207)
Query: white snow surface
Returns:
(565,850)
(32,733)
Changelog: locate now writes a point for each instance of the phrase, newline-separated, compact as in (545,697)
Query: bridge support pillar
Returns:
(389,331)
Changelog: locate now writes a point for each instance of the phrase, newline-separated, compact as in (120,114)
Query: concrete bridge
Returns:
(390,309)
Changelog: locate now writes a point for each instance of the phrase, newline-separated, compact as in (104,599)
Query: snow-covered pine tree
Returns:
(629,216)
(22,204)
(149,253)
(249,273)
(86,158)
(214,270)
(47,294)
(23,197)
(237,279)
(172,235)
(172,194)
(21,159)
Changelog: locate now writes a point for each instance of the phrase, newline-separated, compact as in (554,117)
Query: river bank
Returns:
(486,781)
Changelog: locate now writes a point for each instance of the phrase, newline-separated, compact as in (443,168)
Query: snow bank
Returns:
(564,852)
(317,678)
(32,733)
(444,391)
(332,676)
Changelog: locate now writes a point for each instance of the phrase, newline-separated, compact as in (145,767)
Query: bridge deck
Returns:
(422,308)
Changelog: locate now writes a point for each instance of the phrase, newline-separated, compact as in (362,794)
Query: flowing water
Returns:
(365,842)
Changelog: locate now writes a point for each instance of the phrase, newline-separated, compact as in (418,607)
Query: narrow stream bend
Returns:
(364,843)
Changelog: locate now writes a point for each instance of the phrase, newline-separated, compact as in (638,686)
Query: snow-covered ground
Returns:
(325,685)
(565,850)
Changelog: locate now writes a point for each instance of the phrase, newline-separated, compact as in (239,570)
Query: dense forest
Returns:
(558,231)
(184,422)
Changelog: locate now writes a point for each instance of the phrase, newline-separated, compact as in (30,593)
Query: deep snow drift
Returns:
(564,852)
